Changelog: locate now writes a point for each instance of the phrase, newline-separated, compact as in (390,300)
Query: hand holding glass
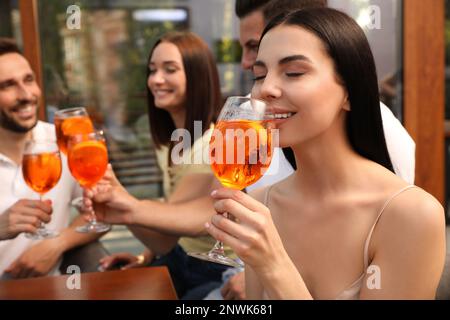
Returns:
(41,168)
(240,152)
(88,159)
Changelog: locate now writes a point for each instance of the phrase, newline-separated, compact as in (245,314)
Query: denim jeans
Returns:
(193,278)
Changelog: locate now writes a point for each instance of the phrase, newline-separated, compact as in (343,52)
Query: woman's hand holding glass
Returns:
(240,151)
(88,159)
(252,235)
(111,201)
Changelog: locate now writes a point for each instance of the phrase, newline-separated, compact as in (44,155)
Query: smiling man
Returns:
(20,212)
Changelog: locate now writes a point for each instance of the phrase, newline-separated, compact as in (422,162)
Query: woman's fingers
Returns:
(239,231)
(240,212)
(235,244)
(103,194)
(241,197)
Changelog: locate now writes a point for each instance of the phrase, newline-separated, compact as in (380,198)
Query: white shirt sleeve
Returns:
(400,145)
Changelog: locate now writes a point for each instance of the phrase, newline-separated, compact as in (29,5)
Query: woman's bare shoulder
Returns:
(414,212)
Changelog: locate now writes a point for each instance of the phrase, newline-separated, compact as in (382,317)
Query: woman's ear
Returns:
(346,105)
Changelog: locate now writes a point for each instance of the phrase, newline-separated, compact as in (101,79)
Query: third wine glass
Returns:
(240,153)
(88,159)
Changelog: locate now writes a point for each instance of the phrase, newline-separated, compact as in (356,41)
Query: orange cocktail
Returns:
(41,169)
(88,159)
(240,151)
(69,122)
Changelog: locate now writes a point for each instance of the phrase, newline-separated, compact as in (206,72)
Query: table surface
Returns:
(152,283)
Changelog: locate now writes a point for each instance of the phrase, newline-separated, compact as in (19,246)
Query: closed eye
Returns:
(259,78)
(294,74)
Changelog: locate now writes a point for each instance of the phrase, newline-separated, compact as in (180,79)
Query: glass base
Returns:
(42,233)
(216,258)
(96,227)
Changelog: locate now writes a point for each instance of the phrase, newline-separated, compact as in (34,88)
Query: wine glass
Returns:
(41,169)
(69,122)
(240,153)
(88,159)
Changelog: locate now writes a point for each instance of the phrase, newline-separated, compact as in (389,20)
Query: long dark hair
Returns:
(203,97)
(347,45)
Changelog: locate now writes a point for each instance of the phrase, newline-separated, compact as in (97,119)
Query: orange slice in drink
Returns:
(77,125)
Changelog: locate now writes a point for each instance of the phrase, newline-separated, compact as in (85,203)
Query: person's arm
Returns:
(126,260)
(253,288)
(183,215)
(41,258)
(69,238)
(234,288)
(159,243)
(408,249)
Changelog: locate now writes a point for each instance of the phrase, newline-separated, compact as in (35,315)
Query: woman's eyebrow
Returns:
(285,60)
(164,62)
(294,58)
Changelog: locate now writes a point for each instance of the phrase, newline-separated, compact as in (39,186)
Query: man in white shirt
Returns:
(253,16)
(20,212)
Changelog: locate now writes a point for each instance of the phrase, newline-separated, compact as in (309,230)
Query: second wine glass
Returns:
(240,152)
(41,168)
(88,159)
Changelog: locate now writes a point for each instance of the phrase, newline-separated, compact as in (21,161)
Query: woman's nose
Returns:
(269,89)
(156,78)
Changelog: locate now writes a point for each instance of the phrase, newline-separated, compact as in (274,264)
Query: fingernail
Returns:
(213,193)
(207,225)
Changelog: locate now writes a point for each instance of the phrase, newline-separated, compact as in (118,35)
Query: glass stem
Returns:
(93,217)
(217,249)
(41,198)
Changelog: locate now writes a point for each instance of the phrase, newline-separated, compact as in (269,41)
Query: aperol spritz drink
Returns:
(41,169)
(88,159)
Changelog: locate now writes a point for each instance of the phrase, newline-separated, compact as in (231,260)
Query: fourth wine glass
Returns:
(240,153)
(88,159)
(41,168)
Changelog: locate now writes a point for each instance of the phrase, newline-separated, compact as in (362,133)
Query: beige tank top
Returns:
(352,292)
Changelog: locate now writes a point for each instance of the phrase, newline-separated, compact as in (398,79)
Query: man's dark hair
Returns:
(272,8)
(245,7)
(276,7)
(347,45)
(8,45)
